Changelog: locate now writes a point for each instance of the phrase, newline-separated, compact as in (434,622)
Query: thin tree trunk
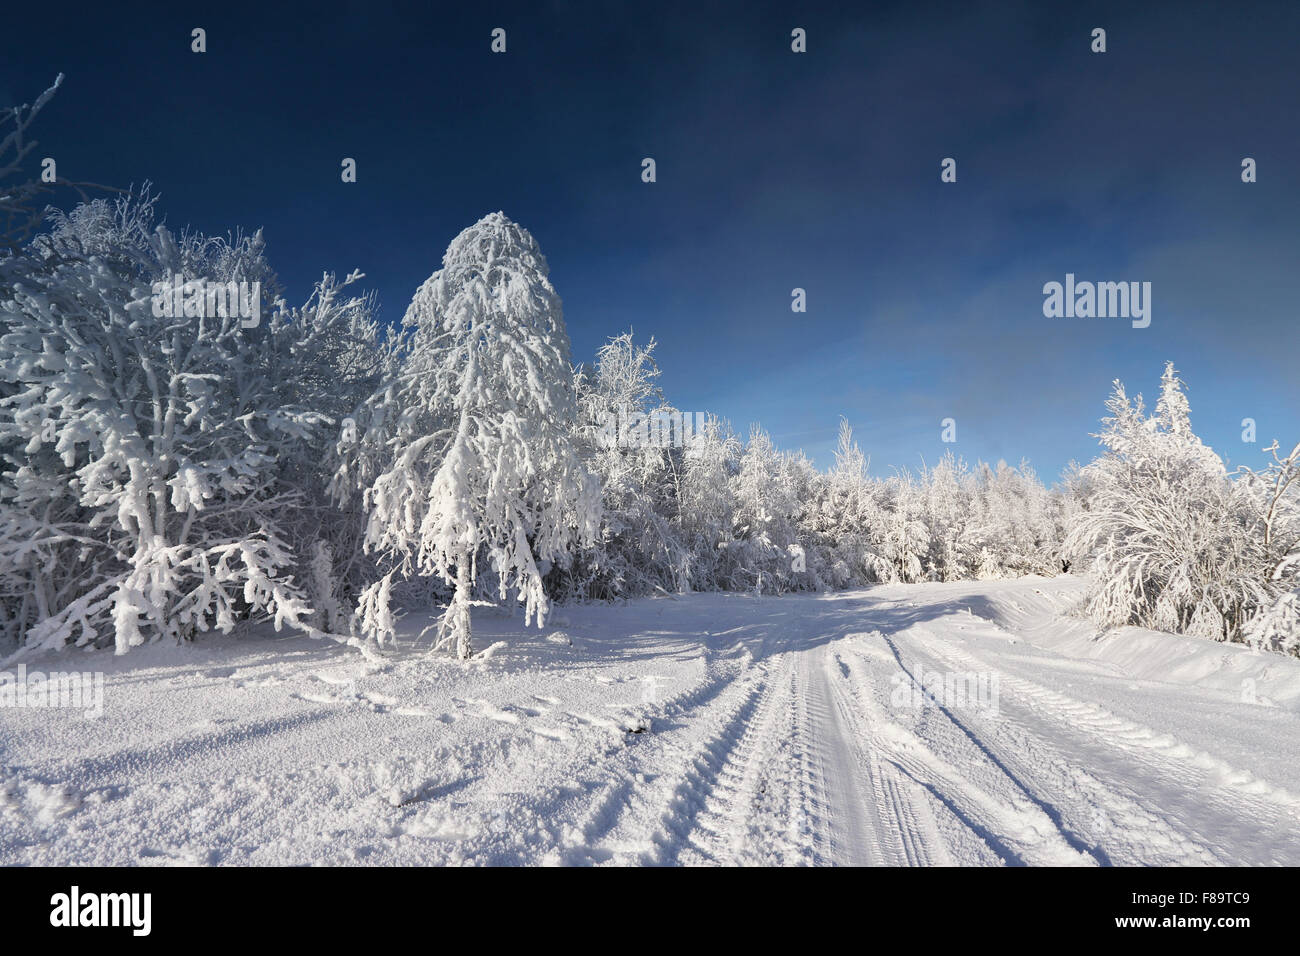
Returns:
(460,611)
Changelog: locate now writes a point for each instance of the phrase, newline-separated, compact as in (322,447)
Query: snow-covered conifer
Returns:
(485,478)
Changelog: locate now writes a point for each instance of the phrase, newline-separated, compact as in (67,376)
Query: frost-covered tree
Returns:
(707,504)
(1275,496)
(485,479)
(641,549)
(23,196)
(948,495)
(900,539)
(834,522)
(765,520)
(1015,526)
(1166,529)
(850,519)
(154,483)
(21,211)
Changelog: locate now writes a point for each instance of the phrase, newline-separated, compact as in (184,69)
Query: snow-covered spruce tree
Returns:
(149,487)
(1167,531)
(841,514)
(821,519)
(899,539)
(485,480)
(799,479)
(707,505)
(640,549)
(1068,498)
(1275,498)
(948,493)
(1014,529)
(768,500)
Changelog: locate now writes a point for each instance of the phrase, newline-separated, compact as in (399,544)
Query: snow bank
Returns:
(1042,611)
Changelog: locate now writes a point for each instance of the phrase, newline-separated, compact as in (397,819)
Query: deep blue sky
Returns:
(775,170)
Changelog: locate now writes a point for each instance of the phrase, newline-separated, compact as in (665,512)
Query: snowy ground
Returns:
(708,728)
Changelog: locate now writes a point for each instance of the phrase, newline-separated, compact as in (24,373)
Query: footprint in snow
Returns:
(380,700)
(417,712)
(319,699)
(592,720)
(493,713)
(333,679)
(549,733)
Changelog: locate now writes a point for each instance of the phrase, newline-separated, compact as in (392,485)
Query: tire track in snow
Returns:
(734,824)
(905,830)
(851,832)
(777,782)
(704,769)
(1012,768)
(807,817)
(625,820)
(1142,827)
(998,809)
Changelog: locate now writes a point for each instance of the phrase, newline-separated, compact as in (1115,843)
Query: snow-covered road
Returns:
(704,729)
